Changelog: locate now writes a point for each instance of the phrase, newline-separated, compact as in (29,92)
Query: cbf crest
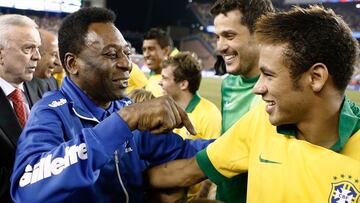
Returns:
(344,192)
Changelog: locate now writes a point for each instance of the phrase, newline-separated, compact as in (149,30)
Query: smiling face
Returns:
(20,55)
(49,55)
(154,54)
(287,102)
(236,44)
(103,64)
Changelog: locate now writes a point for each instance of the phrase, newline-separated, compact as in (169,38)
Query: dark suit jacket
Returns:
(10,131)
(40,86)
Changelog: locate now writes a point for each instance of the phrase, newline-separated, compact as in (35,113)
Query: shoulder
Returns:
(205,104)
(54,99)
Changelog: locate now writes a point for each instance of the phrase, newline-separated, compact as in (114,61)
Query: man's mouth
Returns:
(121,82)
(229,59)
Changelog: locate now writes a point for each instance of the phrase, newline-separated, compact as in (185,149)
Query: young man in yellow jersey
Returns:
(180,79)
(309,151)
(157,46)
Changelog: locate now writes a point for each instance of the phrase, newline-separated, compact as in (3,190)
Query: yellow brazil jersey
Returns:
(284,169)
(137,79)
(205,117)
(153,85)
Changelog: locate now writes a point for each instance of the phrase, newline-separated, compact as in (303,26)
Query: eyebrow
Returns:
(225,32)
(114,46)
(264,69)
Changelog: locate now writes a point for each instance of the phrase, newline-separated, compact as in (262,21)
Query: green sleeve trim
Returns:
(208,169)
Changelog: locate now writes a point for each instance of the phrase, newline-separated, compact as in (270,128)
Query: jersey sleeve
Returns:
(158,149)
(228,156)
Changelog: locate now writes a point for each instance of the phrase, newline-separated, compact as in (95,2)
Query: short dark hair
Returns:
(187,67)
(250,9)
(75,26)
(160,35)
(311,35)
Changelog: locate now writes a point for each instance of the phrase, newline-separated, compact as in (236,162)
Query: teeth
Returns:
(229,57)
(270,103)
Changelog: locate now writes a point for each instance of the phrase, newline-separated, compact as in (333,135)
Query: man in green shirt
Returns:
(234,27)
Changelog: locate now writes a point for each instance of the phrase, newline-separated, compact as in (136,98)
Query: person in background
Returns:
(305,126)
(234,22)
(49,52)
(19,55)
(157,46)
(180,79)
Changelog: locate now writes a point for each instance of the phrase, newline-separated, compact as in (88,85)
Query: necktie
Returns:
(18,102)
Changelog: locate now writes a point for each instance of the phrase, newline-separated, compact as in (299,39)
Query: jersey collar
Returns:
(193,103)
(349,123)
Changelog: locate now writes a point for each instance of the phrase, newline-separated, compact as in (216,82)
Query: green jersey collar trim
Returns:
(251,80)
(349,123)
(193,103)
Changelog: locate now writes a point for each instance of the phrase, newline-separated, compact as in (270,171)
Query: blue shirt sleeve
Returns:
(158,149)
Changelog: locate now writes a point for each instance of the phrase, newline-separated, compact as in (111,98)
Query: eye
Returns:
(229,36)
(111,55)
(28,49)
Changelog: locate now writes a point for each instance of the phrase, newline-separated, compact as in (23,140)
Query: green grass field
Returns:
(210,89)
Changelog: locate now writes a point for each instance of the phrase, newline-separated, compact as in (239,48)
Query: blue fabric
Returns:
(52,164)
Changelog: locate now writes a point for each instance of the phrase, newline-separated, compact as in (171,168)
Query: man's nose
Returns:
(124,63)
(36,55)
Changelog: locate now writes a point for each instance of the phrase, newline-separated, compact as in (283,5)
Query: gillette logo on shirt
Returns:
(48,167)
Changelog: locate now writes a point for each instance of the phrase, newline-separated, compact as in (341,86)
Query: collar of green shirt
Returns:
(349,123)
(193,103)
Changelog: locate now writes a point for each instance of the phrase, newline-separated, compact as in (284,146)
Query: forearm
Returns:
(178,173)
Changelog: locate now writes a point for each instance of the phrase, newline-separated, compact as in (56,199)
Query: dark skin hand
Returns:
(158,115)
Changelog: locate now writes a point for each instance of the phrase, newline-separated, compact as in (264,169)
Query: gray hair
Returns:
(8,20)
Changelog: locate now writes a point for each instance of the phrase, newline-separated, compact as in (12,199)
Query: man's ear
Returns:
(184,85)
(167,51)
(319,75)
(70,64)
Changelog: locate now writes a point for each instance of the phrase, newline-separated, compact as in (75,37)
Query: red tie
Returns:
(18,102)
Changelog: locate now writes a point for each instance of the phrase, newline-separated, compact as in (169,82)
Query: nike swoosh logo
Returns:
(267,161)
(228,104)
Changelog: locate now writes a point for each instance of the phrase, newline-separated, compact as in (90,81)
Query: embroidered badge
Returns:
(344,191)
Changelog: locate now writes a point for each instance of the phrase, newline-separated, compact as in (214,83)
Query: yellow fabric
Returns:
(206,118)
(282,168)
(137,79)
(153,85)
(59,77)
(174,52)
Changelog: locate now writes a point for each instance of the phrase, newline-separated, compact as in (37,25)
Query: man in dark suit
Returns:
(19,54)
(43,80)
